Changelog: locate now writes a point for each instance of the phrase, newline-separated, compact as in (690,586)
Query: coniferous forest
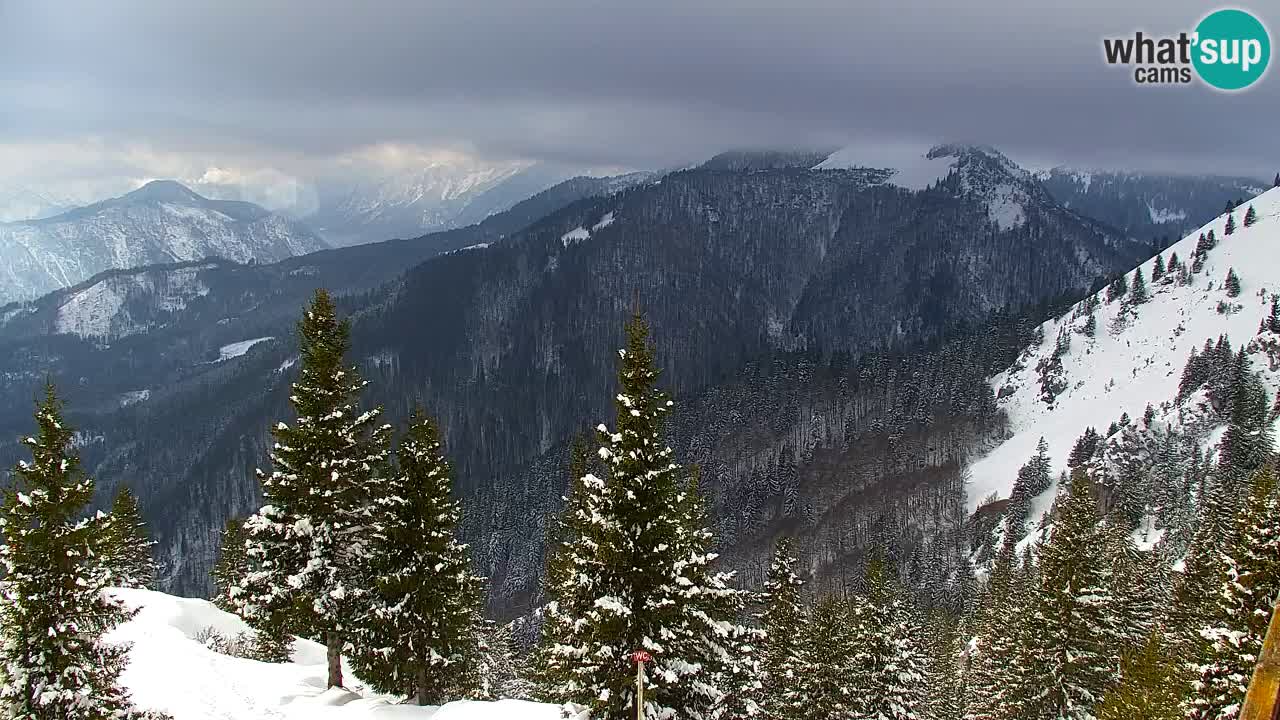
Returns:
(356,546)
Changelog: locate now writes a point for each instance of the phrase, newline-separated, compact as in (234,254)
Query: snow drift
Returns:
(172,671)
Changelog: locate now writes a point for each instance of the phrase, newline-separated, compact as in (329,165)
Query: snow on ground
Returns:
(170,670)
(236,349)
(1118,372)
(133,397)
(605,222)
(575,235)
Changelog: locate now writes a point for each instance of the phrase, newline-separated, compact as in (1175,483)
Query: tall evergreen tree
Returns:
(53,660)
(1149,687)
(1232,283)
(1250,217)
(889,662)
(309,544)
(994,657)
(232,564)
(1138,294)
(129,549)
(1234,636)
(1070,663)
(424,600)
(1249,441)
(1157,268)
(1231,223)
(827,688)
(642,572)
(944,675)
(783,621)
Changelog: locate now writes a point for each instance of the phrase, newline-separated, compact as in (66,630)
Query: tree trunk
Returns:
(422,681)
(333,651)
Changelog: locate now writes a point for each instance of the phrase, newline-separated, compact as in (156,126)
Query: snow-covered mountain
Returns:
(978,171)
(1147,205)
(443,194)
(171,669)
(160,222)
(1136,355)
(27,203)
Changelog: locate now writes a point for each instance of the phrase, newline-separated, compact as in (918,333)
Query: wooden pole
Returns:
(1262,702)
(640,690)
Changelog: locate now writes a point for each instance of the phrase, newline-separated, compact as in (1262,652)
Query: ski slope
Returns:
(170,670)
(1118,372)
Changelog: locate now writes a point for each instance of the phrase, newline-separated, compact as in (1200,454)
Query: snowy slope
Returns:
(162,222)
(170,670)
(1123,369)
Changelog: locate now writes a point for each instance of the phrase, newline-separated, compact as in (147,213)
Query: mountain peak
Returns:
(164,191)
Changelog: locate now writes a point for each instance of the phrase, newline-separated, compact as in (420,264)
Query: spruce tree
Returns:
(424,600)
(1232,283)
(1138,294)
(1249,441)
(309,543)
(129,550)
(1277,181)
(1157,269)
(641,572)
(1250,217)
(828,647)
(1196,590)
(783,621)
(1231,223)
(55,611)
(946,691)
(1149,687)
(890,664)
(232,564)
(1234,635)
(1066,638)
(993,662)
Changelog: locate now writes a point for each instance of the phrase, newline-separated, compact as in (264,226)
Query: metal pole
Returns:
(1262,702)
(640,690)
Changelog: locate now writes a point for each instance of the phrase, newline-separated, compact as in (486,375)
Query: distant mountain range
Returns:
(505,329)
(161,222)
(439,196)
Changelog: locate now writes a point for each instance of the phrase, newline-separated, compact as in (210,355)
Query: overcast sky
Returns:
(275,90)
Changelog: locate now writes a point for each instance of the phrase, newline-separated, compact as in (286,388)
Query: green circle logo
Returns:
(1232,49)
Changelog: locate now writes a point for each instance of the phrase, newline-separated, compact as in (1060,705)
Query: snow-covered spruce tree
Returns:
(420,621)
(309,544)
(639,575)
(232,564)
(128,551)
(1249,441)
(830,642)
(1150,686)
(1234,636)
(1231,223)
(1196,589)
(1250,217)
(995,648)
(944,674)
(1070,665)
(1232,283)
(890,662)
(783,621)
(1139,294)
(54,664)
(1137,590)
(571,558)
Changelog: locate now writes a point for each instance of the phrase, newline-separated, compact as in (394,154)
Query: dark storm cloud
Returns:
(637,83)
